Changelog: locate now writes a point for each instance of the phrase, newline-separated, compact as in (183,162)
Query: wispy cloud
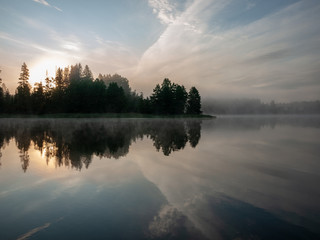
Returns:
(59,9)
(165,11)
(42,2)
(45,3)
(110,56)
(221,46)
(274,57)
(29,44)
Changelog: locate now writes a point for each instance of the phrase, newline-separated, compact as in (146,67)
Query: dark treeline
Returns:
(74,90)
(256,106)
(74,143)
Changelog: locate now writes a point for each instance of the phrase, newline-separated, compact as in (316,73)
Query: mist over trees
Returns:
(256,106)
(116,78)
(74,90)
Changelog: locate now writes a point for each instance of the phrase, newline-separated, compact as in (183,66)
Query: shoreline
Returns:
(106,115)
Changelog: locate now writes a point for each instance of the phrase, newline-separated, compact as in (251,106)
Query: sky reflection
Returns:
(246,177)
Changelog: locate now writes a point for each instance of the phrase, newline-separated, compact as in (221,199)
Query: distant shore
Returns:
(105,115)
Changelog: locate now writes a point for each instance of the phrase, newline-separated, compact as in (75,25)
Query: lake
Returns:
(226,178)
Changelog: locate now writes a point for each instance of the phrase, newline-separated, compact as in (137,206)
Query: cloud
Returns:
(103,56)
(164,10)
(271,57)
(167,11)
(28,44)
(275,57)
(59,9)
(45,3)
(109,56)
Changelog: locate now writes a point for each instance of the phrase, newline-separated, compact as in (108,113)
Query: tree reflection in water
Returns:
(74,142)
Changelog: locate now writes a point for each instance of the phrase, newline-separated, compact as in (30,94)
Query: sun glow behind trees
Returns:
(46,67)
(74,90)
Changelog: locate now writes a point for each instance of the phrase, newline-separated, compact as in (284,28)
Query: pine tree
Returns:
(75,73)
(24,75)
(59,79)
(87,74)
(180,98)
(38,98)
(49,85)
(66,77)
(23,90)
(194,102)
(1,96)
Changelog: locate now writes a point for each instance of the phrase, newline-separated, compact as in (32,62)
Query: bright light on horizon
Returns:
(44,67)
(228,49)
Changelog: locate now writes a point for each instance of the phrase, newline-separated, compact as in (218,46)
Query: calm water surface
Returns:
(228,178)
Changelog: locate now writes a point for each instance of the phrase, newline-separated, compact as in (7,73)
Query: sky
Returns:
(225,48)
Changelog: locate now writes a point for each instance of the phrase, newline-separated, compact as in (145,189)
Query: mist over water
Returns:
(74,142)
(227,178)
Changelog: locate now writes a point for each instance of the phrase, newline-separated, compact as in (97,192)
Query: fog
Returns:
(256,106)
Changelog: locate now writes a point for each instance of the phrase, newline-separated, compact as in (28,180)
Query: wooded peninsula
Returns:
(74,90)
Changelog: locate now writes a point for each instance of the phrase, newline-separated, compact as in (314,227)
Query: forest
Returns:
(74,90)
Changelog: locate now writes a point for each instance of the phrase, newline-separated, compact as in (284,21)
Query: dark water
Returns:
(229,178)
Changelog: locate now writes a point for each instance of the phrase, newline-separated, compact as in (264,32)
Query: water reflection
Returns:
(228,178)
(257,122)
(74,142)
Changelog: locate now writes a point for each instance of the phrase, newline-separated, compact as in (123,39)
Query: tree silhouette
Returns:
(58,81)
(180,99)
(194,102)
(75,72)
(98,96)
(163,97)
(87,74)
(74,90)
(66,77)
(49,86)
(24,75)
(115,97)
(1,96)
(169,98)
(38,98)
(58,93)
(22,96)
(118,79)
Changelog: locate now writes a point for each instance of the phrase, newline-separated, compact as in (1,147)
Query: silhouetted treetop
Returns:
(75,72)
(74,90)
(24,75)
(23,92)
(194,102)
(118,79)
(169,98)
(87,74)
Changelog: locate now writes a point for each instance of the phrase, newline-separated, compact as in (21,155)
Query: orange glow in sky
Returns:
(45,66)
